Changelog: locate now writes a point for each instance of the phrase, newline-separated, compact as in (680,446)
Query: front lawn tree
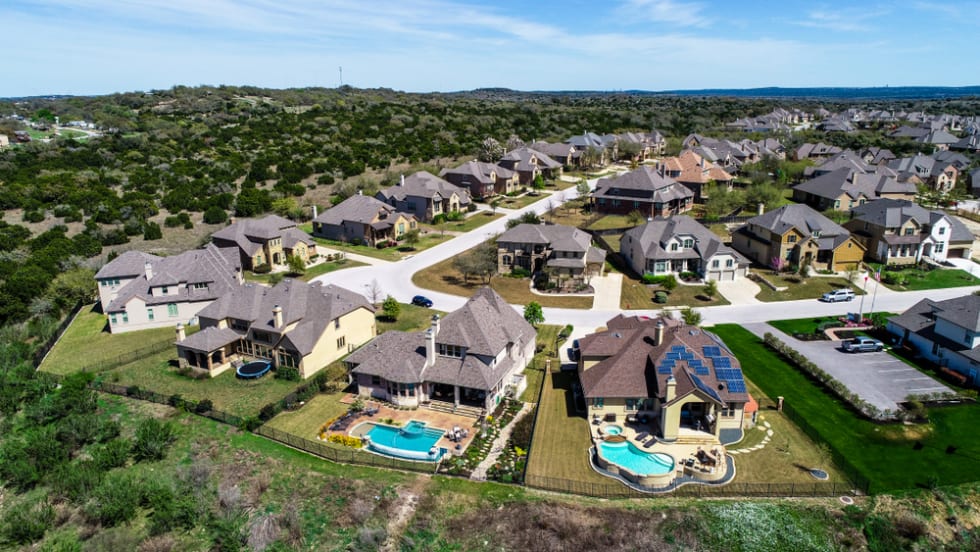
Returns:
(583,188)
(412,237)
(691,317)
(710,289)
(391,308)
(297,266)
(533,313)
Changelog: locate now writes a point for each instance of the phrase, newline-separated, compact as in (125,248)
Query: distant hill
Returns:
(871,93)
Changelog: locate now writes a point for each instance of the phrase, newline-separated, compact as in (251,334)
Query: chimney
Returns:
(402,181)
(760,208)
(181,335)
(435,323)
(148,269)
(360,192)
(314,211)
(659,335)
(277,316)
(671,388)
(430,347)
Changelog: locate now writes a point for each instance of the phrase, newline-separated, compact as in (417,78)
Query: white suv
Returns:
(843,294)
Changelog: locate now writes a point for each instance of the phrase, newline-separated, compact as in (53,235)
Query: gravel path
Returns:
(480,473)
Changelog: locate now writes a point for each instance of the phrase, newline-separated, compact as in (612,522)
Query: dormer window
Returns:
(816,233)
(454,351)
(164,290)
(909,231)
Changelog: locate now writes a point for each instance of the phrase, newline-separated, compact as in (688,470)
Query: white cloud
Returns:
(671,12)
(845,20)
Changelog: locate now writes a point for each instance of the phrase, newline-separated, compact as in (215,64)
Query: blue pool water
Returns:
(414,441)
(613,429)
(635,460)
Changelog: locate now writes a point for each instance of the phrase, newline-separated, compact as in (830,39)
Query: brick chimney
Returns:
(181,334)
(277,316)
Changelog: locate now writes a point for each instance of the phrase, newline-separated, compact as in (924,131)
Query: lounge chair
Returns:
(642,436)
(650,443)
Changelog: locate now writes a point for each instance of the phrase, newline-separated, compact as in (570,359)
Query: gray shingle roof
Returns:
(249,234)
(427,185)
(210,339)
(892,213)
(520,159)
(127,265)
(855,184)
(644,183)
(480,171)
(561,237)
(801,217)
(960,311)
(654,235)
(357,208)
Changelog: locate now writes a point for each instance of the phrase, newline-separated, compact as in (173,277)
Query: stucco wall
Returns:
(357,327)
(139,320)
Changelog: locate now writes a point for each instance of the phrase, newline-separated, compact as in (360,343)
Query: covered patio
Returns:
(212,350)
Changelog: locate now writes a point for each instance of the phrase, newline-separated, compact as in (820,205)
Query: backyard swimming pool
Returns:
(612,429)
(414,441)
(626,454)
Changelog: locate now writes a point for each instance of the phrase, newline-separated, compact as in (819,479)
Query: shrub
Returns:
(33,216)
(26,522)
(152,440)
(345,440)
(519,272)
(215,215)
(288,373)
(660,297)
(204,406)
(521,433)
(172,509)
(113,454)
(669,283)
(77,481)
(263,268)
(114,501)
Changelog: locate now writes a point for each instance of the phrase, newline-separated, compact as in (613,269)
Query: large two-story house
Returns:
(471,358)
(681,244)
(695,172)
(364,220)
(483,180)
(528,163)
(681,378)
(901,232)
(845,188)
(565,251)
(646,190)
(294,324)
(139,291)
(796,235)
(425,196)
(938,175)
(945,332)
(266,241)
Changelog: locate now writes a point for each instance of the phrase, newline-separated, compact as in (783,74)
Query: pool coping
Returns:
(678,481)
(367,448)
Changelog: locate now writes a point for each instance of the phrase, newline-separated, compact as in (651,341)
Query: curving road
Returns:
(395,278)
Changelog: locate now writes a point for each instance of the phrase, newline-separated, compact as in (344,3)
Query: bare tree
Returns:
(374,292)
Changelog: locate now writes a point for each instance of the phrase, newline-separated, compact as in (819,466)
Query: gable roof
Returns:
(250,234)
(424,184)
(127,265)
(561,237)
(520,159)
(855,184)
(892,213)
(480,171)
(643,183)
(801,217)
(485,325)
(654,236)
(695,168)
(358,208)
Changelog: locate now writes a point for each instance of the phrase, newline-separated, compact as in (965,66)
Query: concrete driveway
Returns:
(878,378)
(608,289)
(740,292)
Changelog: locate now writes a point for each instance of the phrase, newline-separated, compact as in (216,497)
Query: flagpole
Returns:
(860,319)
(874,295)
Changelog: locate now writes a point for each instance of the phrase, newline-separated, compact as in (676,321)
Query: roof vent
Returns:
(695,332)
(721,386)
(617,335)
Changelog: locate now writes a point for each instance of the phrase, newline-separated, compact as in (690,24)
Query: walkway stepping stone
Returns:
(766,424)
(769,433)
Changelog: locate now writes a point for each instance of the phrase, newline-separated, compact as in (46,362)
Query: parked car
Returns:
(863,345)
(422,301)
(843,294)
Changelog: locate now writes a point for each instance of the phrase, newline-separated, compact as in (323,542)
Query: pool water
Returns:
(612,430)
(635,460)
(414,441)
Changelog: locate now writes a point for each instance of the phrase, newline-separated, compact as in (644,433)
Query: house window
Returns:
(201,285)
(125,317)
(942,230)
(688,243)
(171,309)
(791,238)
(673,247)
(375,380)
(633,405)
(149,314)
(336,324)
(112,318)
(660,266)
(454,351)
(728,410)
(164,290)
(598,402)
(341,342)
(837,204)
(715,263)
(909,231)
(729,263)
(939,247)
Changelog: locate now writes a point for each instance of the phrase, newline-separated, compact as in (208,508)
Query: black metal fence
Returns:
(43,350)
(843,463)
(731,490)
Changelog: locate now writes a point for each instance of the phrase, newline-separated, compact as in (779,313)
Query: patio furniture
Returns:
(642,436)
(650,443)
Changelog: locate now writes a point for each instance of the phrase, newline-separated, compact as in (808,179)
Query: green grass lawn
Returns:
(547,333)
(87,343)
(522,201)
(884,454)
(810,288)
(471,222)
(940,278)
(311,272)
(240,397)
(808,325)
(306,421)
(561,440)
(411,318)
(611,221)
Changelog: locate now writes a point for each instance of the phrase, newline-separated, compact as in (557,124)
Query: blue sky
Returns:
(102,46)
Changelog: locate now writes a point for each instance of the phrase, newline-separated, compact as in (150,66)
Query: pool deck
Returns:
(432,418)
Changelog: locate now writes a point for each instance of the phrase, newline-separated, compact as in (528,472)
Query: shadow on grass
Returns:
(567,382)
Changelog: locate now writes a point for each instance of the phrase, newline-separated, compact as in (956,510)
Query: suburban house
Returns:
(566,154)
(646,190)
(365,220)
(796,234)
(970,142)
(266,241)
(938,175)
(902,232)
(681,244)
(554,248)
(528,163)
(815,151)
(604,148)
(940,139)
(425,196)
(695,172)
(466,362)
(874,155)
(682,378)
(652,143)
(945,332)
(139,291)
(483,179)
(293,324)
(846,188)
(846,159)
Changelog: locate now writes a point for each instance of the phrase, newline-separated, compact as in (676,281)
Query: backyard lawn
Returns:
(411,318)
(520,202)
(87,343)
(609,222)
(810,288)
(560,446)
(547,333)
(890,456)
(311,272)
(444,277)
(306,421)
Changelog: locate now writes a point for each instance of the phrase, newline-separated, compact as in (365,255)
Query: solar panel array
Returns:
(704,388)
(724,371)
(712,351)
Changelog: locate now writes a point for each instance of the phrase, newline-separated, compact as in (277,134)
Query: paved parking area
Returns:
(878,378)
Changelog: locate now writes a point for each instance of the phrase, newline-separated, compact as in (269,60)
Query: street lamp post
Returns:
(861,308)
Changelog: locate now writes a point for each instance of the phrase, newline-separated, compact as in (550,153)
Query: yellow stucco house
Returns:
(295,324)
(266,241)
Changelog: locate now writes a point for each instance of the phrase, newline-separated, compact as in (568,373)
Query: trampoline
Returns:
(254,369)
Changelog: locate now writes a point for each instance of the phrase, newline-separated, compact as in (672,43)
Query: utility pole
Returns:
(341,68)
(861,308)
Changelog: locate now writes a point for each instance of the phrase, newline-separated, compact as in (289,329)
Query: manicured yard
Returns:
(429,238)
(471,222)
(87,343)
(547,333)
(520,202)
(887,455)
(560,446)
(940,278)
(569,214)
(443,277)
(611,221)
(306,421)
(808,325)
(311,272)
(157,373)
(411,318)
(810,288)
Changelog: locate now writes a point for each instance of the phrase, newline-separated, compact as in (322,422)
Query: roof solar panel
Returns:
(704,388)
(673,356)
(678,348)
(702,371)
(710,351)
(736,386)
